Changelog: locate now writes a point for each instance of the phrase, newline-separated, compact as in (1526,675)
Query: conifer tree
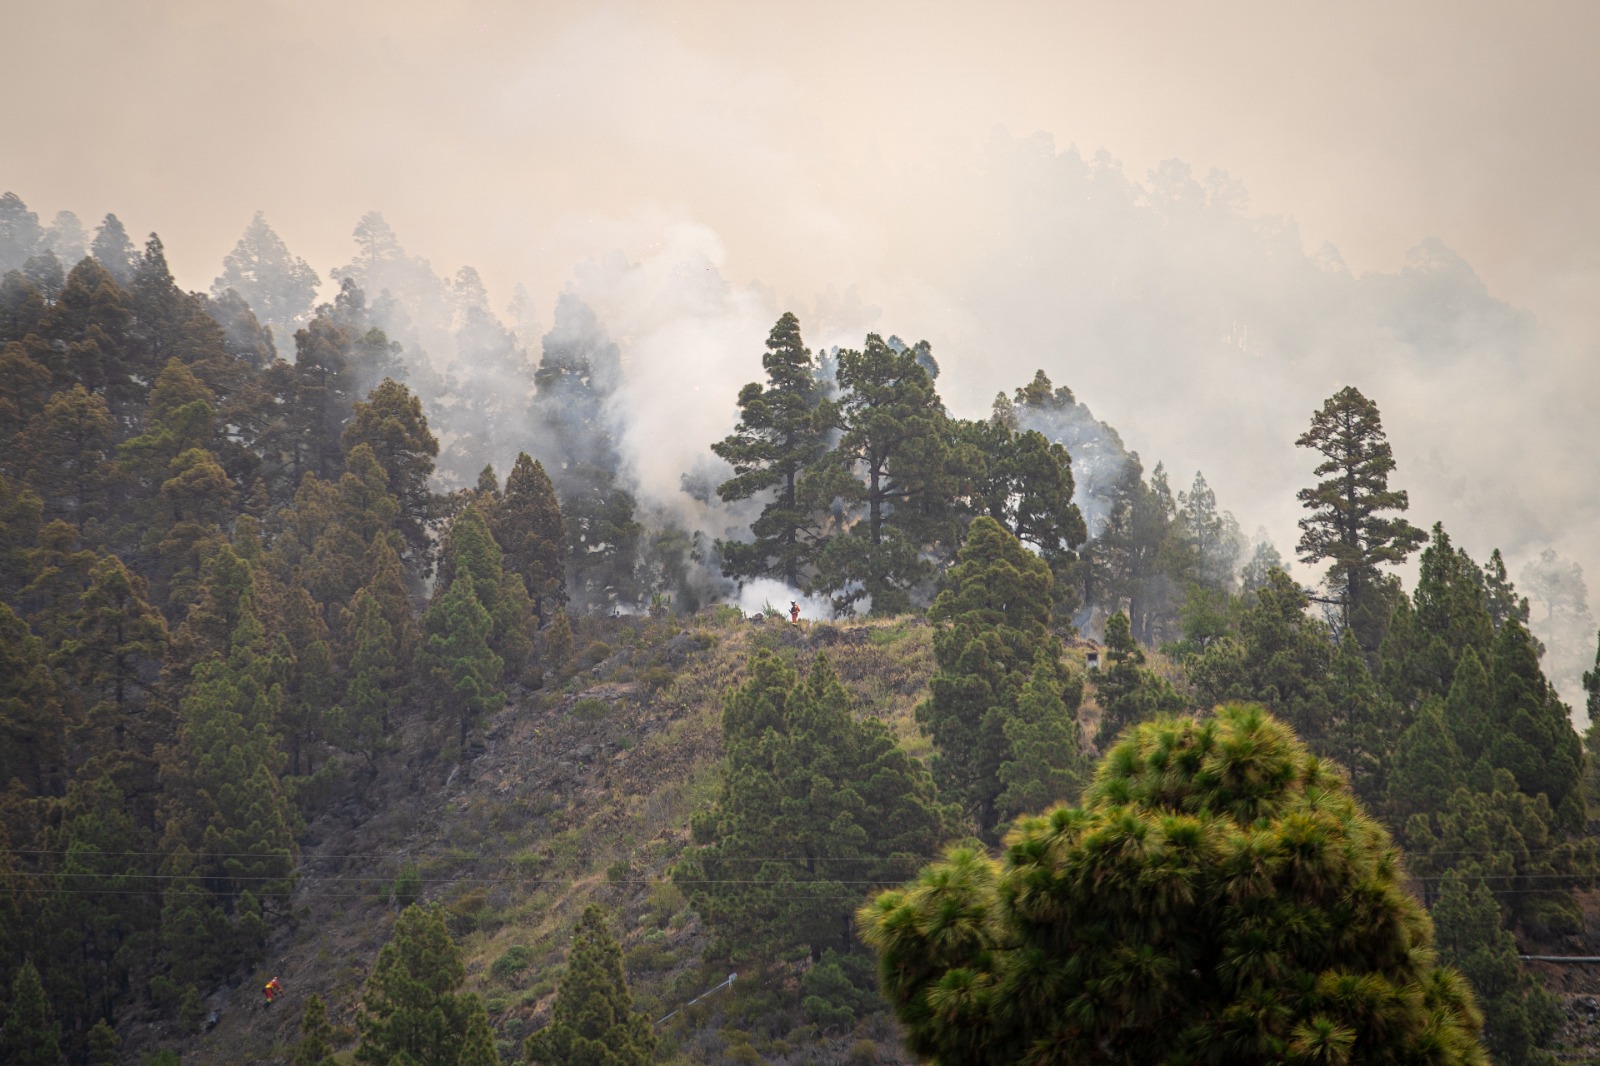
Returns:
(813,802)
(229,820)
(1512,841)
(32,734)
(558,643)
(1282,659)
(361,721)
(593,1022)
(72,440)
(30,1036)
(20,233)
(1348,525)
(316,1036)
(1427,766)
(390,421)
(471,548)
(99,920)
(993,622)
(1519,1015)
(103,1044)
(1127,690)
(277,284)
(1150,924)
(114,251)
(1532,734)
(891,463)
(528,525)
(456,652)
(779,436)
(412,1010)
(1048,764)
(1368,725)
(578,369)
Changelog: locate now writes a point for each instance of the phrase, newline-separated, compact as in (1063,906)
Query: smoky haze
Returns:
(1203,219)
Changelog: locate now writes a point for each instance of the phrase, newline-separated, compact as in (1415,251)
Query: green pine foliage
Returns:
(316,1036)
(457,654)
(527,523)
(781,433)
(1520,1016)
(993,641)
(30,1034)
(813,802)
(593,1022)
(1218,897)
(1128,691)
(413,1009)
(891,462)
(1350,526)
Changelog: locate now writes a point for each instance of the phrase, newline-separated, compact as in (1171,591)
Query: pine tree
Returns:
(361,721)
(1512,841)
(528,525)
(30,1036)
(891,463)
(412,1010)
(1127,690)
(20,233)
(32,734)
(72,440)
(316,1036)
(993,620)
(1368,724)
(391,422)
(1347,525)
(813,801)
(1452,612)
(114,251)
(578,369)
(230,823)
(1048,764)
(593,1022)
(779,435)
(456,652)
(103,1044)
(1150,924)
(1426,768)
(471,548)
(1282,659)
(1519,1015)
(277,284)
(1532,734)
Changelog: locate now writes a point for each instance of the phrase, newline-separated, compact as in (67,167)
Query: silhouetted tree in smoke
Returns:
(1347,525)
(778,436)
(279,286)
(578,370)
(890,467)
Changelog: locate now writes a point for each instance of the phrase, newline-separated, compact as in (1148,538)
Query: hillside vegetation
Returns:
(295,684)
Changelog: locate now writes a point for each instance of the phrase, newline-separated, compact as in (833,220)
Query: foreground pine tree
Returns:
(593,1022)
(1218,898)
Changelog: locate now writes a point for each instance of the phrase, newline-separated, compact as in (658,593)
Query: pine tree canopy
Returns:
(1219,897)
(1349,526)
(593,1022)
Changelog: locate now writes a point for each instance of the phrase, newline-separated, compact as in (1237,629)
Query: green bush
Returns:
(511,962)
(590,710)
(407,885)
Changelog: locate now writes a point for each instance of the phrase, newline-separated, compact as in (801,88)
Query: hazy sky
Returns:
(876,165)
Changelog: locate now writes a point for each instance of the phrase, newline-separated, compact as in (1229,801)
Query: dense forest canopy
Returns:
(248,539)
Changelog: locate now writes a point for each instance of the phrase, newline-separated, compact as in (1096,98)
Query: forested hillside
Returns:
(296,684)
